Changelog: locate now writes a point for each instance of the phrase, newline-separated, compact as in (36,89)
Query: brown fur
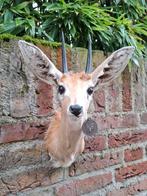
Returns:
(72,77)
(62,143)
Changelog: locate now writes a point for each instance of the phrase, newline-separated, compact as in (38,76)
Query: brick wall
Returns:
(114,161)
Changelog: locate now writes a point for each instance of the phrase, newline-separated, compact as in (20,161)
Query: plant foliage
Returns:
(112,24)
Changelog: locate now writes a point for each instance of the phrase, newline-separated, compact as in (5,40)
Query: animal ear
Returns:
(112,66)
(38,63)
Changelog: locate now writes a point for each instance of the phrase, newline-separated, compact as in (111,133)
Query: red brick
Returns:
(19,106)
(130,171)
(49,51)
(146,94)
(116,121)
(58,57)
(143,118)
(23,154)
(133,154)
(113,98)
(91,162)
(130,190)
(99,100)
(126,91)
(138,89)
(46,50)
(82,186)
(22,131)
(96,143)
(44,98)
(41,176)
(69,58)
(125,138)
(120,192)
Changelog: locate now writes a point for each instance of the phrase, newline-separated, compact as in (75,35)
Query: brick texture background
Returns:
(114,161)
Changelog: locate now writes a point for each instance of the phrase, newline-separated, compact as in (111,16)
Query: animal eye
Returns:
(61,89)
(90,90)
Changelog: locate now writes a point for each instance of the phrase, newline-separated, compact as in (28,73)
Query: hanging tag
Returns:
(89,127)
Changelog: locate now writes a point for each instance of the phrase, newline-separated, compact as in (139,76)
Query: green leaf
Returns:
(31,22)
(8,16)
(1,4)
(21,5)
(5,28)
(119,24)
(19,21)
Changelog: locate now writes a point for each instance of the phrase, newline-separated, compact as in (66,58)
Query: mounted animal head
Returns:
(75,89)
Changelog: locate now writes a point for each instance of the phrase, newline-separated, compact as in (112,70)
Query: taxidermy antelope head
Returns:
(64,139)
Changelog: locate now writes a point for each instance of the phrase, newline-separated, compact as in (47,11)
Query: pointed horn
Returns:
(64,60)
(89,56)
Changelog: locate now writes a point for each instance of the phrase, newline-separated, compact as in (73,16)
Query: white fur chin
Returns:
(73,117)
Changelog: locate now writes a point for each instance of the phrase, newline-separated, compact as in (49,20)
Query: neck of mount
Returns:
(72,129)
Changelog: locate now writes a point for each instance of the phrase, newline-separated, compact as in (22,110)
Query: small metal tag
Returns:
(89,127)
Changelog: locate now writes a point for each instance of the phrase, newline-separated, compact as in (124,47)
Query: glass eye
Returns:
(90,90)
(61,89)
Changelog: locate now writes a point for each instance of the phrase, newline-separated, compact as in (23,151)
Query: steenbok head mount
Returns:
(64,139)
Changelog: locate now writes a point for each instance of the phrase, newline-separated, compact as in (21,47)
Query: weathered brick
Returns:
(47,50)
(59,57)
(113,98)
(19,106)
(97,57)
(143,118)
(88,163)
(138,89)
(125,138)
(130,171)
(52,54)
(86,185)
(22,131)
(79,57)
(27,179)
(4,190)
(19,102)
(96,143)
(99,100)
(25,164)
(130,190)
(146,151)
(126,91)
(39,191)
(44,98)
(133,154)
(22,154)
(116,121)
(69,60)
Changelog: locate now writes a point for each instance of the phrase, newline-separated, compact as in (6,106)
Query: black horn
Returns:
(89,56)
(64,60)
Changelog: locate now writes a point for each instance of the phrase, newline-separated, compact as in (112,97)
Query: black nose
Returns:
(75,109)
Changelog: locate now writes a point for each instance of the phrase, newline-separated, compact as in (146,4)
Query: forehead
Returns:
(75,79)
